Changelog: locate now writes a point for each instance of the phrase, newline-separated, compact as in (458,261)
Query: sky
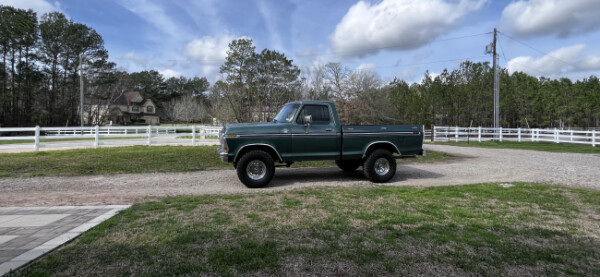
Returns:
(395,38)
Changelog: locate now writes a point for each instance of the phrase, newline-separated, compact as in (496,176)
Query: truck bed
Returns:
(408,139)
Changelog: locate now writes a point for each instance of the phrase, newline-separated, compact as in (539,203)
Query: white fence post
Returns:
(97,136)
(193,135)
(149,135)
(36,145)
(555,135)
(203,134)
(571,135)
(500,130)
(519,135)
(593,138)
(456,134)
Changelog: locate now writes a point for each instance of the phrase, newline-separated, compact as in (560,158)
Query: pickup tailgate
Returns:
(408,139)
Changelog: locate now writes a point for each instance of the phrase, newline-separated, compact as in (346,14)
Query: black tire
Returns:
(348,165)
(380,166)
(255,169)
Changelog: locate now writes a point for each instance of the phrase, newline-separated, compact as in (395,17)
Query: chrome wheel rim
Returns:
(382,166)
(256,170)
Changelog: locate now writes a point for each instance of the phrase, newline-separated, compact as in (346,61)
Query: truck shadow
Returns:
(287,177)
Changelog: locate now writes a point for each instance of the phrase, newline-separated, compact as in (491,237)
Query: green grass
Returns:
(484,229)
(135,159)
(539,146)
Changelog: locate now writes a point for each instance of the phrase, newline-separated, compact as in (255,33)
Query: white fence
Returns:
(479,134)
(90,136)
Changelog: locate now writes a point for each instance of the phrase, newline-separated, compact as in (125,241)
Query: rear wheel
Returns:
(255,169)
(380,166)
(348,165)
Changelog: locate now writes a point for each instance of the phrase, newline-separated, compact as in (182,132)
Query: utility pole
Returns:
(496,86)
(81,88)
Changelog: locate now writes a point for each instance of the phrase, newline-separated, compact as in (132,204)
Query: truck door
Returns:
(317,140)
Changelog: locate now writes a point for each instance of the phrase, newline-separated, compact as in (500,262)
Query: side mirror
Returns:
(307,119)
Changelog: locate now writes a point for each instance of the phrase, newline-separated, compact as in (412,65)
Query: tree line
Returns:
(461,97)
(39,80)
(39,85)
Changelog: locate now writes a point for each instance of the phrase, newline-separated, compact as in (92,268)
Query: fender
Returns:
(377,142)
(257,144)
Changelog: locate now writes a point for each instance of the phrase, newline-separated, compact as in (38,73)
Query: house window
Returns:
(135,109)
(150,109)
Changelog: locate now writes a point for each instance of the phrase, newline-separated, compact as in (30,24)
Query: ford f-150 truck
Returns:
(311,130)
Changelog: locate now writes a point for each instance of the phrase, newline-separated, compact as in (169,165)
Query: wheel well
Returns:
(265,148)
(381,145)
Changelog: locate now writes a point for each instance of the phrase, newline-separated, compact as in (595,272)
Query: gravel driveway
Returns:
(476,165)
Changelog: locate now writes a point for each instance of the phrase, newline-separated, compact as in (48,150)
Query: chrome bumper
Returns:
(222,154)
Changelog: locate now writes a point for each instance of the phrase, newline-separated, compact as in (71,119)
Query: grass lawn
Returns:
(135,159)
(540,146)
(484,229)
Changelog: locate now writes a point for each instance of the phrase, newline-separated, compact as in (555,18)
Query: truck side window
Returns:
(320,114)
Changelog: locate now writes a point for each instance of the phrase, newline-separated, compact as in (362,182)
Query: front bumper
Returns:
(223,155)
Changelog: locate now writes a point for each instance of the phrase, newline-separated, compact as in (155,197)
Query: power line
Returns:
(540,51)
(423,63)
(367,50)
(506,61)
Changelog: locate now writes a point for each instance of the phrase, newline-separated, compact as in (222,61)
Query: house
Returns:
(132,108)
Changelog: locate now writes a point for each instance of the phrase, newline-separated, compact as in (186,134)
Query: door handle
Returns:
(328,130)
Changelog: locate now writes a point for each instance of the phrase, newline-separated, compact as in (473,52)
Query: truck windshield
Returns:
(287,113)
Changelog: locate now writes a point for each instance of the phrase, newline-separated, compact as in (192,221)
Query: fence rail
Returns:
(479,134)
(135,135)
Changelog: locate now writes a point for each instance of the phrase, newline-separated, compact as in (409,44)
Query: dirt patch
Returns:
(474,165)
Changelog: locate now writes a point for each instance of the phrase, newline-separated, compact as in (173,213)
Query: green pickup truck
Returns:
(311,130)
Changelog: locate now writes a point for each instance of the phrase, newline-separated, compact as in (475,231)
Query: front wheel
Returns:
(255,169)
(380,166)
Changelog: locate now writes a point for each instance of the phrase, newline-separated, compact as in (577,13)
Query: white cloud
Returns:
(209,52)
(208,49)
(156,15)
(558,62)
(39,6)
(366,67)
(137,60)
(410,75)
(168,73)
(270,19)
(398,24)
(547,17)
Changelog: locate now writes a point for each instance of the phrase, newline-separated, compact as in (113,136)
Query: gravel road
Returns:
(475,165)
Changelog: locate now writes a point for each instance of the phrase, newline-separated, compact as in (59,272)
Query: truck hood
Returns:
(252,128)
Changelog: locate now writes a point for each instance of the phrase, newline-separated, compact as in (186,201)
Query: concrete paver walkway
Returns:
(26,233)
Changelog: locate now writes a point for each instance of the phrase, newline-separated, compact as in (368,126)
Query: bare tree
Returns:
(185,109)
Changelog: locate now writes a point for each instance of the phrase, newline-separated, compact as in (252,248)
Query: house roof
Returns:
(130,98)
(146,101)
